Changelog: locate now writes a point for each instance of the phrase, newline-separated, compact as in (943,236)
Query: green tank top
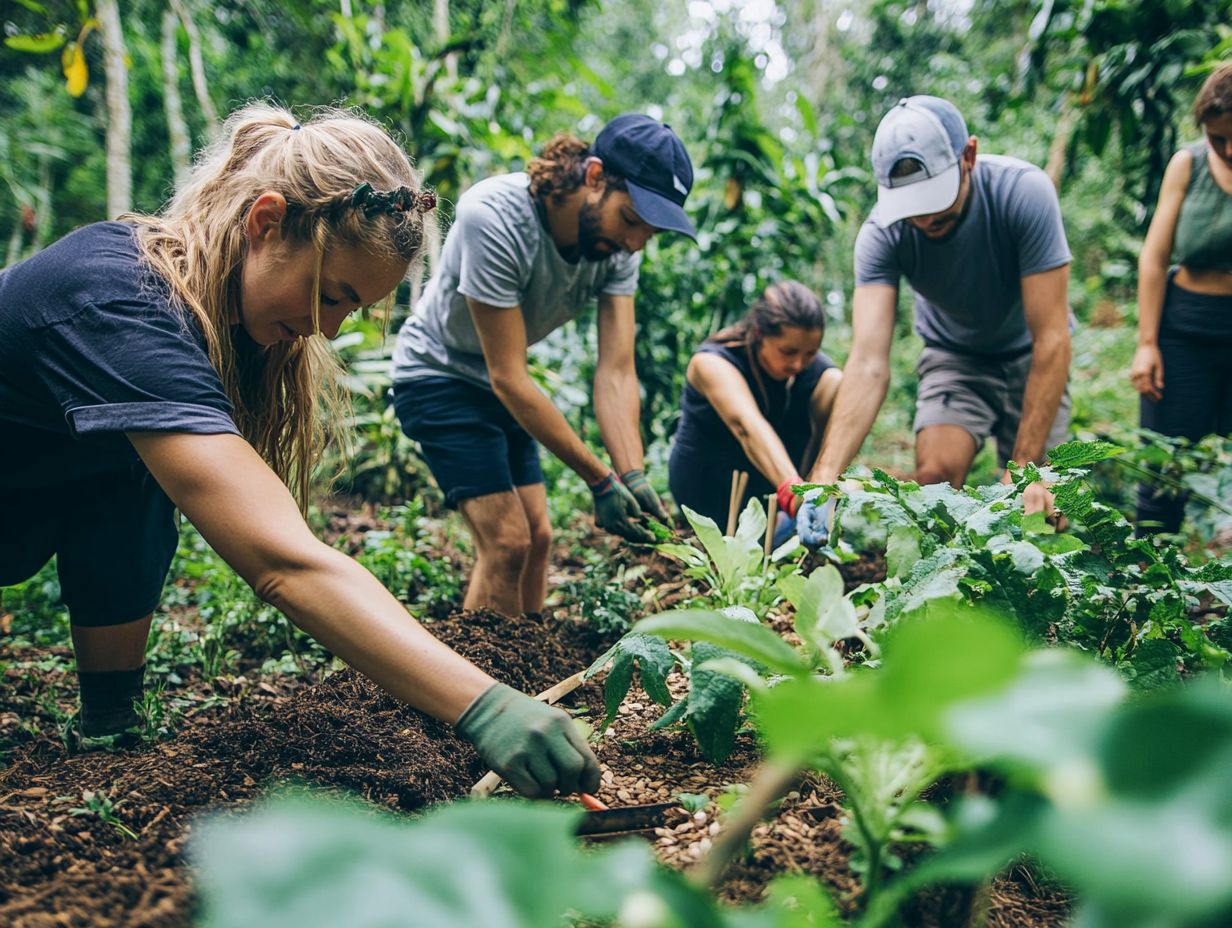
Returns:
(1203,238)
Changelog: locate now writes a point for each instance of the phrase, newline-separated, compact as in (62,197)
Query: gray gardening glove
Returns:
(617,511)
(536,748)
(647,498)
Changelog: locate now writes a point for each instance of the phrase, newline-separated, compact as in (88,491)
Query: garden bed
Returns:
(65,859)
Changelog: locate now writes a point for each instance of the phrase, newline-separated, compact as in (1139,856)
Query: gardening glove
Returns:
(813,519)
(533,746)
(617,510)
(788,501)
(647,498)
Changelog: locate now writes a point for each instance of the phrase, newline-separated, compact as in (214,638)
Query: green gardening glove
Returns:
(536,748)
(645,495)
(617,511)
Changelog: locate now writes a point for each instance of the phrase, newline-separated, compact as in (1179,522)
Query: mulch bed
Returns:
(60,869)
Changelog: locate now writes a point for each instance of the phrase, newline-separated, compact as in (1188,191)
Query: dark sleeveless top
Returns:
(705,452)
(1203,236)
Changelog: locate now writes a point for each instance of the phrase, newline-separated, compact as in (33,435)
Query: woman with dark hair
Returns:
(757,397)
(1185,313)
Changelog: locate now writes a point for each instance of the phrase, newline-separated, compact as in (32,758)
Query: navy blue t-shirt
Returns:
(705,452)
(92,345)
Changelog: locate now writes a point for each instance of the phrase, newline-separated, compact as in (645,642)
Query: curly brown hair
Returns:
(561,169)
(1215,96)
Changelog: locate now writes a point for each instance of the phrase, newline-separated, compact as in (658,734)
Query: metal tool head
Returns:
(627,819)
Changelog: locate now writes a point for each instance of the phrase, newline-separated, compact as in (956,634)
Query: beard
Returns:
(592,244)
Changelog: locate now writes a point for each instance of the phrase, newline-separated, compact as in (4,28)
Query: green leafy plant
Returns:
(298,863)
(1097,587)
(735,569)
(101,806)
(729,652)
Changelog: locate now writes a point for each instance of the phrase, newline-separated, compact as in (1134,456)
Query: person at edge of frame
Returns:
(981,241)
(181,360)
(527,252)
(1185,313)
(757,397)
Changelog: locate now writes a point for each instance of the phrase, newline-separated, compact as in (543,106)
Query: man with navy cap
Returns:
(527,252)
(981,242)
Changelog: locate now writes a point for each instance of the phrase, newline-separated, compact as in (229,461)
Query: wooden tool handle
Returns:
(492,779)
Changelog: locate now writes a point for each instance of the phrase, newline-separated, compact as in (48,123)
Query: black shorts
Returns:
(472,444)
(113,534)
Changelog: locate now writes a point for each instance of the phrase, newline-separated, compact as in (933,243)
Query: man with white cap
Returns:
(982,244)
(526,253)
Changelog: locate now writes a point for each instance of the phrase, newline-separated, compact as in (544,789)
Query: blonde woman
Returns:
(180,361)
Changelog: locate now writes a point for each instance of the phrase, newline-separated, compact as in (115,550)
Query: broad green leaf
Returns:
(1049,717)
(653,658)
(902,550)
(751,527)
(671,716)
(738,670)
(823,614)
(36,44)
(1025,557)
(686,554)
(715,701)
(296,863)
(933,662)
(1082,453)
(1171,860)
(733,558)
(754,641)
(1153,664)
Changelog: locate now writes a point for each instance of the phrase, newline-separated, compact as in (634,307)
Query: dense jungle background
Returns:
(102,103)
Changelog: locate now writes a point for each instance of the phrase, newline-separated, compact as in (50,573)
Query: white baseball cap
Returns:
(928,130)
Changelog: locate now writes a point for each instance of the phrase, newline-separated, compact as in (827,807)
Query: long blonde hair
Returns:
(287,398)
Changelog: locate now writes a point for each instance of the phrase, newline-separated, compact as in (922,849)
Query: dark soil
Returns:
(61,869)
(58,868)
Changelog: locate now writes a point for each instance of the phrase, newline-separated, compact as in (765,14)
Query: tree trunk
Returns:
(440,20)
(1058,150)
(119,111)
(177,128)
(196,66)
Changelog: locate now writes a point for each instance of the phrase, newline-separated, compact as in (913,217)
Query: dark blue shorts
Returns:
(113,534)
(472,444)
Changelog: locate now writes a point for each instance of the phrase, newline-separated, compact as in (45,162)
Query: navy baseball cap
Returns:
(929,130)
(655,166)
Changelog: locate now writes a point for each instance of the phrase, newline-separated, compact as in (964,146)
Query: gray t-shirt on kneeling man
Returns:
(968,287)
(499,252)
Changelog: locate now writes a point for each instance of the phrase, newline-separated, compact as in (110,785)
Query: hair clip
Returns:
(401,200)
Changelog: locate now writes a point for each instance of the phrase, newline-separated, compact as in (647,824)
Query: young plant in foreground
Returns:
(298,863)
(735,569)
(729,652)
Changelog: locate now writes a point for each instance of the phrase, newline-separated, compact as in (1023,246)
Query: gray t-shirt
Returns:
(498,252)
(968,288)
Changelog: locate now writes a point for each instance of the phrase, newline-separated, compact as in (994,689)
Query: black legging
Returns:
(1195,340)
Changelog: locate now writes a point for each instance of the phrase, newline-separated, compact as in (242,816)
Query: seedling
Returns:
(101,806)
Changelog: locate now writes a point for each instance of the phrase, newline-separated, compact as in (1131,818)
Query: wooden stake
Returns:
(772,510)
(492,779)
(733,500)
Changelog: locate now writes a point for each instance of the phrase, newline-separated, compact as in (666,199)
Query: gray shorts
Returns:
(982,395)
